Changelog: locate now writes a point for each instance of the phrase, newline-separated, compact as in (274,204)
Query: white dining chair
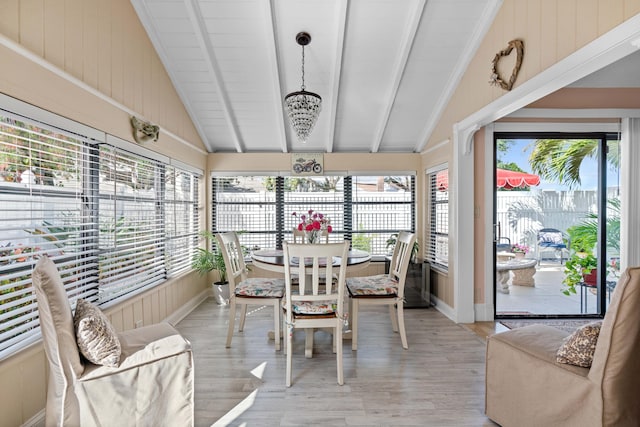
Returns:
(314,305)
(383,289)
(245,290)
(299,236)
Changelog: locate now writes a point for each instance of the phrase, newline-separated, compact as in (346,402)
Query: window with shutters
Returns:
(365,209)
(114,222)
(437,250)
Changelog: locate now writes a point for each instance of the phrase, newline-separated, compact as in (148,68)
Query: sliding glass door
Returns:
(556,208)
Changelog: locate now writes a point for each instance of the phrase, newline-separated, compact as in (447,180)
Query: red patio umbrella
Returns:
(504,179)
(512,179)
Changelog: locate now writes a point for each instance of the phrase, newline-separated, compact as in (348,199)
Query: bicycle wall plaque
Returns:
(307,163)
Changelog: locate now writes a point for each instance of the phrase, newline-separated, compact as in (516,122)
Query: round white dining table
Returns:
(273,260)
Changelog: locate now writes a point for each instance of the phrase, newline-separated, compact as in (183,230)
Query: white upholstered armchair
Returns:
(150,382)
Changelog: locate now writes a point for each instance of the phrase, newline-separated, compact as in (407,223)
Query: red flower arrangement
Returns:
(313,222)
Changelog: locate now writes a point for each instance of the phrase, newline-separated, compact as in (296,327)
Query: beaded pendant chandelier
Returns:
(303,107)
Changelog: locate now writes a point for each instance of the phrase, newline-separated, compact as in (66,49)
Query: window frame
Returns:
(281,208)
(433,226)
(79,266)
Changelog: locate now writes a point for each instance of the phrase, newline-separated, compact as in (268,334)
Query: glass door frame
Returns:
(603,137)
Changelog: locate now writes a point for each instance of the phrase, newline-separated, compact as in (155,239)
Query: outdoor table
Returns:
(585,287)
(523,270)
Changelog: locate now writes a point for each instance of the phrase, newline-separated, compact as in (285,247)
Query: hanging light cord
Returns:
(303,86)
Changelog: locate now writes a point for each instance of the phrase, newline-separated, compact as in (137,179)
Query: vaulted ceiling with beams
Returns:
(385,69)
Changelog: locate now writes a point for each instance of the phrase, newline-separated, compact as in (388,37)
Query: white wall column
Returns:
(461,213)
(629,193)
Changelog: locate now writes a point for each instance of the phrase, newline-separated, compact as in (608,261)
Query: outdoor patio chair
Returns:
(503,244)
(552,239)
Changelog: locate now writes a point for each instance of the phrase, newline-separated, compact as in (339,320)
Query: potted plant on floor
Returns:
(205,261)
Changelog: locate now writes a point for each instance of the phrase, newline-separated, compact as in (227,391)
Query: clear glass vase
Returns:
(313,236)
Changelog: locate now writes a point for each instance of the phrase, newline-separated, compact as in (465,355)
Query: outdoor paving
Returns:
(545,297)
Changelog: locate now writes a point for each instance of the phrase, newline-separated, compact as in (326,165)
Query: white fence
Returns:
(521,214)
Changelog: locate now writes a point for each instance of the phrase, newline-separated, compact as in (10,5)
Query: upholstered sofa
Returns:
(526,386)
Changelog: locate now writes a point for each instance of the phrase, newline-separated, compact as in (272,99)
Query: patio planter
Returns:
(591,279)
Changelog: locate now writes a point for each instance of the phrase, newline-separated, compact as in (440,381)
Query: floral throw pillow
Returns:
(96,337)
(578,348)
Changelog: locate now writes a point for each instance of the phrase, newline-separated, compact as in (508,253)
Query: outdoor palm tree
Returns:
(559,160)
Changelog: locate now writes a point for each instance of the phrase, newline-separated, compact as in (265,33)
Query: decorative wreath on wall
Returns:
(496,79)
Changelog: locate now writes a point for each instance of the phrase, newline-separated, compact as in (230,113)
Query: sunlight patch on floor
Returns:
(236,411)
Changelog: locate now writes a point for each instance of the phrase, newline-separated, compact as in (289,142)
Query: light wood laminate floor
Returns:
(438,381)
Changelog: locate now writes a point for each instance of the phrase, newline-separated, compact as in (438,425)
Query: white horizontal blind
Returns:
(132,228)
(322,197)
(246,204)
(437,250)
(46,209)
(381,206)
(182,219)
(365,209)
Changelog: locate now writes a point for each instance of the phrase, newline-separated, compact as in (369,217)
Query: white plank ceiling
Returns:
(385,69)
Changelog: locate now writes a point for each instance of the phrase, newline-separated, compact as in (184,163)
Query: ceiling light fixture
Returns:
(303,107)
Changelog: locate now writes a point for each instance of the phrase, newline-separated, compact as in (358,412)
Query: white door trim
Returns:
(608,48)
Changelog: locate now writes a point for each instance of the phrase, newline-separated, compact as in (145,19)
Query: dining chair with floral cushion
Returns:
(383,289)
(244,290)
(314,305)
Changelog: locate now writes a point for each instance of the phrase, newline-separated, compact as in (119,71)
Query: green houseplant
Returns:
(391,242)
(205,261)
(582,265)
(577,267)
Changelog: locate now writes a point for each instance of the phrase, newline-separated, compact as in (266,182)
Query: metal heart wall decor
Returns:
(496,79)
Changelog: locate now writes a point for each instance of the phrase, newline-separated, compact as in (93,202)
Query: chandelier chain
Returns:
(303,86)
(303,107)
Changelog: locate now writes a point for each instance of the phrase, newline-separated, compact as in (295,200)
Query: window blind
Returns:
(132,233)
(47,208)
(437,250)
(382,205)
(247,205)
(364,209)
(182,218)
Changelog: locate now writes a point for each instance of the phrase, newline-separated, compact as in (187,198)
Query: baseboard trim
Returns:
(187,308)
(36,421)
(483,312)
(443,308)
